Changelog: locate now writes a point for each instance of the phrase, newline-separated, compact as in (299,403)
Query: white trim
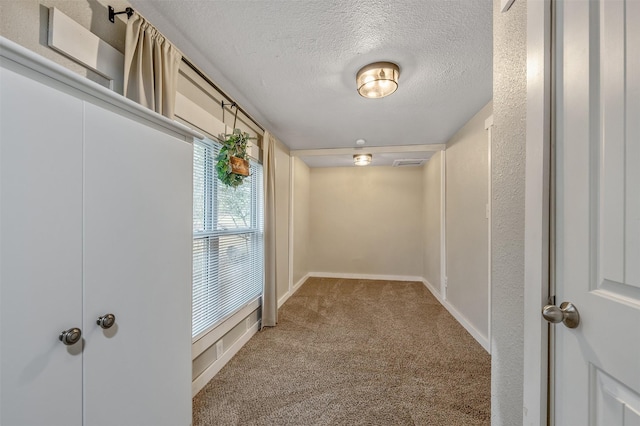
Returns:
(78,43)
(291,227)
(488,122)
(371,149)
(293,290)
(464,322)
(536,285)
(23,60)
(344,275)
(297,286)
(211,337)
(283,299)
(488,125)
(213,369)
(197,116)
(443,225)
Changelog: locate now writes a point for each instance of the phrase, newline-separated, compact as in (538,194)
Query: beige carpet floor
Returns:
(354,352)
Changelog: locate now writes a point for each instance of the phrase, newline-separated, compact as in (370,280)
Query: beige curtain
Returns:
(151,65)
(270,297)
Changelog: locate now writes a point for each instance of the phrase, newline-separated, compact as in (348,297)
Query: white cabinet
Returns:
(95,218)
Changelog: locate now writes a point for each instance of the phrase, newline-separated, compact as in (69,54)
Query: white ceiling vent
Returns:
(410,162)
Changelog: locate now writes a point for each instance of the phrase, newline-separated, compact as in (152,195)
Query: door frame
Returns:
(537,191)
(488,126)
(536,401)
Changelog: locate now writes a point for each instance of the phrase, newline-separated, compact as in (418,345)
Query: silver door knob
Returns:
(70,336)
(567,313)
(106,321)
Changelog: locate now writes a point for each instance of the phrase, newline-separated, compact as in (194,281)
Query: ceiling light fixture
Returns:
(378,80)
(362,159)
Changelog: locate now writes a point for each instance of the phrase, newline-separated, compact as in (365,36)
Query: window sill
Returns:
(203,341)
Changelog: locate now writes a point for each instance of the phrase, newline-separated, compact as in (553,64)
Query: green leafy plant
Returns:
(233,145)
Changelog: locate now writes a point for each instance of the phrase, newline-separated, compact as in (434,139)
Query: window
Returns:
(228,241)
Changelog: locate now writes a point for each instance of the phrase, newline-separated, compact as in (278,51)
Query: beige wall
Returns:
(507,236)
(26,22)
(366,220)
(198,104)
(432,181)
(283,175)
(301,200)
(467,235)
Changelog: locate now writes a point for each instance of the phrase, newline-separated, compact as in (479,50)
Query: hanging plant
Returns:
(233,164)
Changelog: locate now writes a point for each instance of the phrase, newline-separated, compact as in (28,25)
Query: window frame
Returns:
(254,232)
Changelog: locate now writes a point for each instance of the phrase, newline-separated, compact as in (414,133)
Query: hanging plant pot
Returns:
(232,164)
(239,166)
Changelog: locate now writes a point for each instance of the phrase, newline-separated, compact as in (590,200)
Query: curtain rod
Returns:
(208,80)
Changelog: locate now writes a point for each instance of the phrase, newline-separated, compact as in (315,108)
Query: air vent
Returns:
(411,162)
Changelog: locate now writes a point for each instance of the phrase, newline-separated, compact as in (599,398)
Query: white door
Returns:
(137,266)
(597,380)
(40,251)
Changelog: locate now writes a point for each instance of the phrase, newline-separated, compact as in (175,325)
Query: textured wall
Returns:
(508,169)
(301,183)
(431,186)
(467,174)
(366,220)
(26,22)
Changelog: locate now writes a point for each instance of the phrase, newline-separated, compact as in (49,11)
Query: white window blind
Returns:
(228,241)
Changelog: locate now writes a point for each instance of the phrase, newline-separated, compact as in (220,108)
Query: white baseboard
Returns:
(480,338)
(295,288)
(365,276)
(213,369)
(297,285)
(283,299)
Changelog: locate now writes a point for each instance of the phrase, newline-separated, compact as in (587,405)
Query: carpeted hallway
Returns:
(354,352)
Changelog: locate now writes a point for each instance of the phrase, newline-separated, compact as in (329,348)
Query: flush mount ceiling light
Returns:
(362,159)
(378,80)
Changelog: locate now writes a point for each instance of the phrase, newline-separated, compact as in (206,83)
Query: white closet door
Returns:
(597,364)
(41,252)
(137,266)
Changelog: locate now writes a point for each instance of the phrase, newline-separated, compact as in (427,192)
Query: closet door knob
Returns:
(70,336)
(106,321)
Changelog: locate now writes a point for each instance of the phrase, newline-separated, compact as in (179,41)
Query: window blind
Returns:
(228,241)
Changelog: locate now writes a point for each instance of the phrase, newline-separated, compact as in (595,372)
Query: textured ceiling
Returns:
(292,64)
